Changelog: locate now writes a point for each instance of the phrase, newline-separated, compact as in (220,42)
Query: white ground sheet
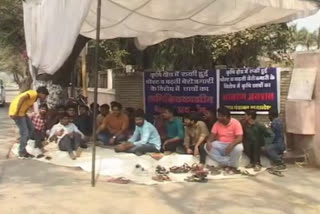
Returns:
(109,163)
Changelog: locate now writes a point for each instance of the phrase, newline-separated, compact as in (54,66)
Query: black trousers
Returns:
(253,151)
(203,153)
(175,147)
(70,144)
(38,137)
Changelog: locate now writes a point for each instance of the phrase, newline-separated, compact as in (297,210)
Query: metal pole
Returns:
(93,179)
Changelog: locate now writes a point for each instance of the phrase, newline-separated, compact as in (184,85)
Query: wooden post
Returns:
(84,72)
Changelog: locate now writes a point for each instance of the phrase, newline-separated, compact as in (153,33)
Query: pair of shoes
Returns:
(198,176)
(280,167)
(257,168)
(25,156)
(213,170)
(84,146)
(249,166)
(161,170)
(197,167)
(161,178)
(185,168)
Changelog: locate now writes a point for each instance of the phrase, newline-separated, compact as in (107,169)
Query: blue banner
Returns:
(180,89)
(249,88)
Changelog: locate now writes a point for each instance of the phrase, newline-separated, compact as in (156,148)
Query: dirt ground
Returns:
(31,187)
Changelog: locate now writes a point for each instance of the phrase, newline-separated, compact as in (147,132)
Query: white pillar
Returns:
(110,79)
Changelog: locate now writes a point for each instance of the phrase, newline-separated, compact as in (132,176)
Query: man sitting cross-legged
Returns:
(68,136)
(104,111)
(195,135)
(114,128)
(174,132)
(39,121)
(254,134)
(224,144)
(144,139)
(276,148)
(84,123)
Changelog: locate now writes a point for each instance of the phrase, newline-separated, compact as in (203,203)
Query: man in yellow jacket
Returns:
(18,112)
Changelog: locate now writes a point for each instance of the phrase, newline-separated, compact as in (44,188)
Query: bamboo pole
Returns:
(93,174)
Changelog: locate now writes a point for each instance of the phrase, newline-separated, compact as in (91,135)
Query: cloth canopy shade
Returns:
(51,27)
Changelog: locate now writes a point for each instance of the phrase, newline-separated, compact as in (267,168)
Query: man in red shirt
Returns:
(39,121)
(224,145)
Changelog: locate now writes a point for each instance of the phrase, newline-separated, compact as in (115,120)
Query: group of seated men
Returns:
(129,131)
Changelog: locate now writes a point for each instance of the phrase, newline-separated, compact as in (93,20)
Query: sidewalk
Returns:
(31,187)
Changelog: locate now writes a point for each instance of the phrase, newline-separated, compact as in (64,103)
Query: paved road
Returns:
(31,187)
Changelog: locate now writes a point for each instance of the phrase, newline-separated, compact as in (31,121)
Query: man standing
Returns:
(144,139)
(195,135)
(18,112)
(174,132)
(39,121)
(114,127)
(224,145)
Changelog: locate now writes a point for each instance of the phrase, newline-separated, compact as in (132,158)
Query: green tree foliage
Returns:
(305,38)
(12,42)
(233,50)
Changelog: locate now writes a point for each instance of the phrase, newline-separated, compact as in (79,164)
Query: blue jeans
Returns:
(274,152)
(218,154)
(105,138)
(26,129)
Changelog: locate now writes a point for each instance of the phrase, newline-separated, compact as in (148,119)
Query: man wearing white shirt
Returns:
(145,138)
(68,136)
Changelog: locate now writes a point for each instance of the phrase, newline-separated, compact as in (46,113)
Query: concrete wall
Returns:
(105,96)
(307,144)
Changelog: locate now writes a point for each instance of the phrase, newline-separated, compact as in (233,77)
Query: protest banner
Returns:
(249,88)
(180,89)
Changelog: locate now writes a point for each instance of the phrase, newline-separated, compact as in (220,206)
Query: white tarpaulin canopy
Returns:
(51,27)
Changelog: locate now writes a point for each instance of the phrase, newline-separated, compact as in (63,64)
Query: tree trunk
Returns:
(58,83)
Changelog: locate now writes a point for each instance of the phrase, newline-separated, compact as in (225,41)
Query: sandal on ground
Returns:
(194,178)
(119,180)
(275,172)
(196,167)
(161,170)
(257,168)
(201,173)
(178,170)
(185,168)
(48,158)
(213,170)
(161,178)
(249,166)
